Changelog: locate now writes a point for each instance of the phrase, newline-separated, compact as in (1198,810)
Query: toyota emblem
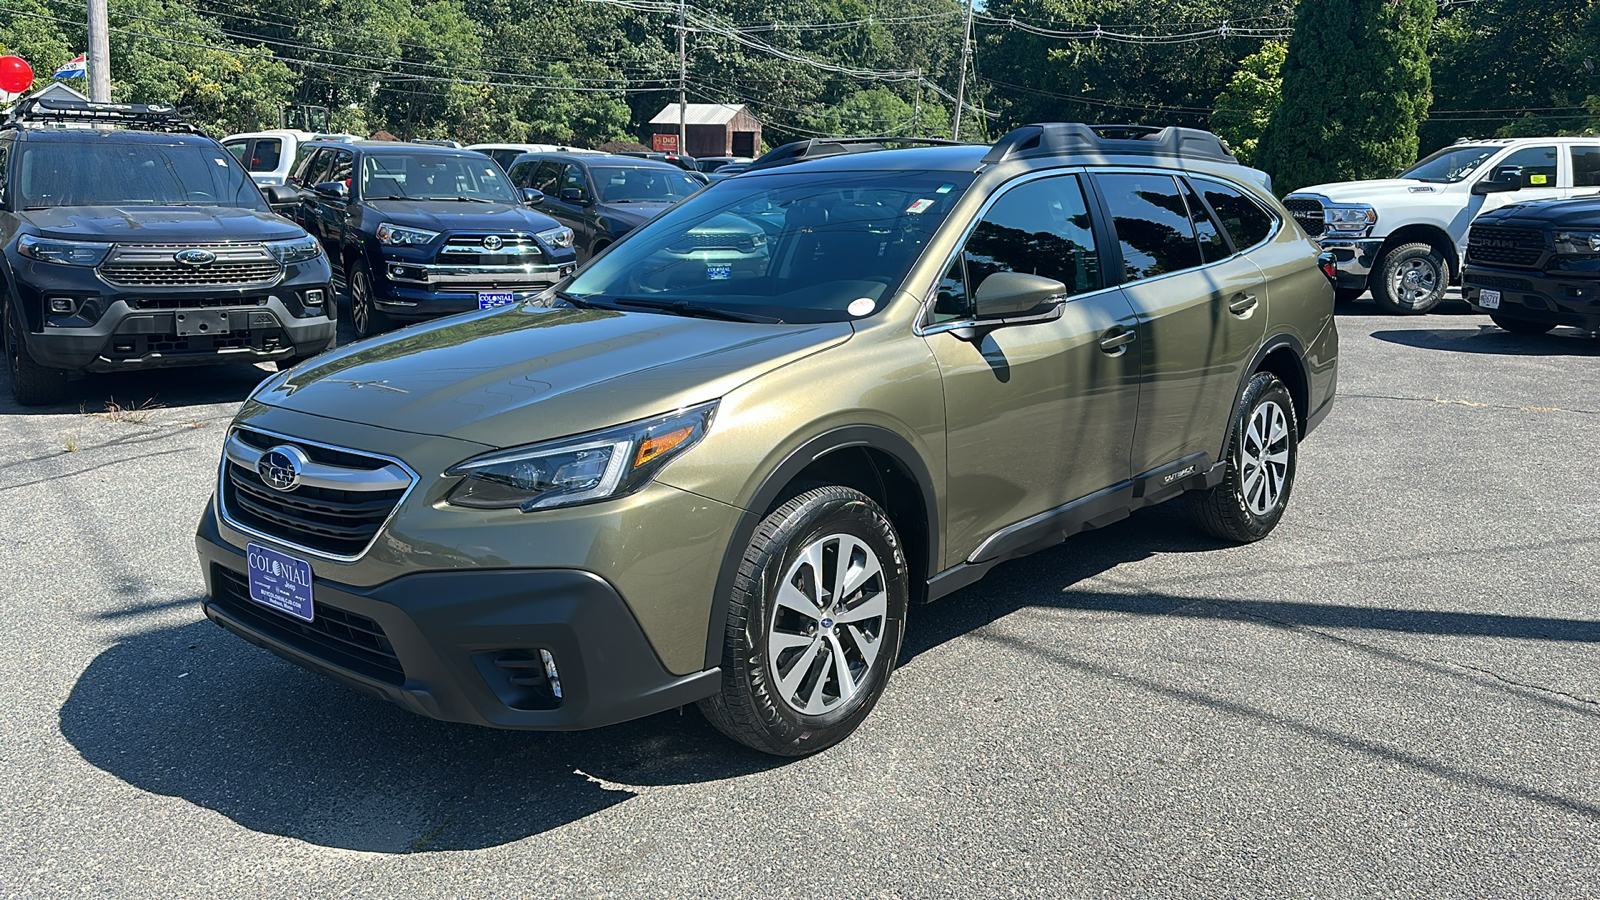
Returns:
(195,256)
(280,468)
(493,242)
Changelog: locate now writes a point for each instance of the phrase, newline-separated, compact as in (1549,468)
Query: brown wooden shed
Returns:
(714,129)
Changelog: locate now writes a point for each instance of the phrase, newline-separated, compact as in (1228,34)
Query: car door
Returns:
(305,179)
(1038,415)
(329,216)
(1538,172)
(1200,312)
(576,197)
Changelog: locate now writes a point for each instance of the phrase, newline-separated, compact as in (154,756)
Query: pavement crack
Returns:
(1576,698)
(1445,401)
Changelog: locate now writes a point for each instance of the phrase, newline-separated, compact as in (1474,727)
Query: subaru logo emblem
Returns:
(194,256)
(493,242)
(280,468)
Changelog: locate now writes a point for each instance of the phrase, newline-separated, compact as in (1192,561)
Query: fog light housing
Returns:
(65,306)
(314,297)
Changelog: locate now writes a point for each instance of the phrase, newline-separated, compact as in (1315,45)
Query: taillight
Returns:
(1326,264)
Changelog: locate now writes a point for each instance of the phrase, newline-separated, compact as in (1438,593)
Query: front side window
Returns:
(1152,224)
(1531,166)
(314,170)
(1243,218)
(343,168)
(790,246)
(131,173)
(1039,227)
(237,148)
(545,177)
(433,176)
(572,179)
(1586,166)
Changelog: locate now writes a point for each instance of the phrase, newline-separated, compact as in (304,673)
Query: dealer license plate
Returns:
(491,299)
(280,581)
(1489,299)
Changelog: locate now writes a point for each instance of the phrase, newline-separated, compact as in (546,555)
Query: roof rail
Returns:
(818,148)
(1063,138)
(141,116)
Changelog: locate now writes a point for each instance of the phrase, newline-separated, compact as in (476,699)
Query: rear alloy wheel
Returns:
(1410,280)
(814,624)
(31,383)
(1518,326)
(364,315)
(1255,488)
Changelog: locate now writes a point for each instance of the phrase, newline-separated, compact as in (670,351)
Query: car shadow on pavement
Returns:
(1489,339)
(133,393)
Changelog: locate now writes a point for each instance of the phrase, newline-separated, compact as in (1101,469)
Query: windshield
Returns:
(108,172)
(1451,164)
(794,247)
(433,176)
(639,184)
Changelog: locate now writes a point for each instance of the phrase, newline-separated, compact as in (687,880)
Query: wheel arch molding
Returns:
(878,462)
(1284,356)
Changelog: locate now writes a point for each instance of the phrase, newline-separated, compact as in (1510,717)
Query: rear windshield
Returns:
(105,172)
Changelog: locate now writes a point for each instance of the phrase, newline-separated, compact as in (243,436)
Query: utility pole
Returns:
(916,111)
(961,82)
(99,58)
(683,81)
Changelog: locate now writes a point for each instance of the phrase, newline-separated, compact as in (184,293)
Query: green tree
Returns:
(1355,87)
(1253,95)
(43,43)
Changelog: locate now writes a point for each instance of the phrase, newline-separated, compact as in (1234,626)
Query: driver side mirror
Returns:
(1013,298)
(1501,180)
(280,196)
(532,196)
(574,195)
(332,190)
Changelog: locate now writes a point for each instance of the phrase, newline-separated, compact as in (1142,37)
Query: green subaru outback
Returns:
(671,479)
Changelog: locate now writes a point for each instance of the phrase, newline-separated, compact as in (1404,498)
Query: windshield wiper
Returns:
(685,308)
(577,301)
(473,200)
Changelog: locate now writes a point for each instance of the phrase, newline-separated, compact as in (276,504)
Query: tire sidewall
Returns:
(1392,261)
(863,520)
(1262,388)
(369,326)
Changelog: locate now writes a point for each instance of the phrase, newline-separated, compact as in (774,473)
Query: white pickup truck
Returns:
(1404,237)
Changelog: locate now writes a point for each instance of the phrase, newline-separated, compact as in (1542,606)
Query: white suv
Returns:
(1405,237)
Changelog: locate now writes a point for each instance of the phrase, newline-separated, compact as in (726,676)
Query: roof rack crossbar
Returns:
(817,148)
(141,116)
(1062,138)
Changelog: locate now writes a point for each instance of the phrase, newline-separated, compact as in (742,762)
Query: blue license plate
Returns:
(491,299)
(280,581)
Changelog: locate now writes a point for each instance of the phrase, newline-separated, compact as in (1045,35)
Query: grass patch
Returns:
(137,414)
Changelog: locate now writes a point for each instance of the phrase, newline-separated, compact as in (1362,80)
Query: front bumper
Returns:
(1353,258)
(463,646)
(1535,296)
(418,289)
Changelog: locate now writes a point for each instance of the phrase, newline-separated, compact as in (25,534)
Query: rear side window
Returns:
(1586,166)
(264,155)
(1152,224)
(1243,218)
(1212,245)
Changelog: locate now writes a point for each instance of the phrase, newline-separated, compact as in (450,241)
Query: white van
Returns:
(269,155)
(504,154)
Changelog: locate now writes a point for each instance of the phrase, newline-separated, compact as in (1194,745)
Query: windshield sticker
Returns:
(861,307)
(719,273)
(945,189)
(1537,179)
(920,206)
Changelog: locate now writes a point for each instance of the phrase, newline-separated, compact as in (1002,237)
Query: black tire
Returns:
(365,318)
(754,707)
(1410,280)
(31,383)
(1343,296)
(1233,511)
(1519,326)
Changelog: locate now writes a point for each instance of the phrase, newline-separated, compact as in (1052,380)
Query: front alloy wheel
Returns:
(363,316)
(827,624)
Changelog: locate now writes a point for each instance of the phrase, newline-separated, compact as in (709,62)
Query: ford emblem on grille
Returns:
(279,468)
(195,256)
(492,242)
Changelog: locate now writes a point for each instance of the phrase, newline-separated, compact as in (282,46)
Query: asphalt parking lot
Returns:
(1397,693)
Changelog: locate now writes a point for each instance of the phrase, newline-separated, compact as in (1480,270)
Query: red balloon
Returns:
(16,75)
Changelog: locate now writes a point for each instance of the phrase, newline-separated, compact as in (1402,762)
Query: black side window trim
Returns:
(1191,190)
(1277,220)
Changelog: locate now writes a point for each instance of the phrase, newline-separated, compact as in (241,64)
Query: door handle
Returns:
(1116,339)
(1241,305)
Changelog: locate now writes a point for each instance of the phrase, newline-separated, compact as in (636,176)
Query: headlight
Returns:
(583,469)
(1350,218)
(67,253)
(295,250)
(398,236)
(559,238)
(1578,243)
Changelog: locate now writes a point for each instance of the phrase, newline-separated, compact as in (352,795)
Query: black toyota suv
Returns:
(602,198)
(421,231)
(1533,266)
(141,243)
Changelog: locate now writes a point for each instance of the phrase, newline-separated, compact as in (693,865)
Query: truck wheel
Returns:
(364,315)
(1518,326)
(31,383)
(1410,280)
(814,624)
(1254,491)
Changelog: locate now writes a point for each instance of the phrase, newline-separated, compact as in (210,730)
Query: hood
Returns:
(160,224)
(634,214)
(456,215)
(1377,192)
(1575,212)
(518,374)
